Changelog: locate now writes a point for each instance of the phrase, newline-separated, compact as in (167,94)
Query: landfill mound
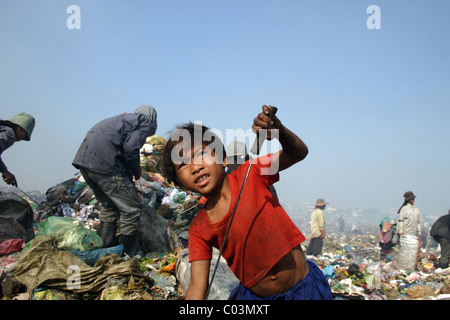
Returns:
(50,250)
(356,270)
(65,259)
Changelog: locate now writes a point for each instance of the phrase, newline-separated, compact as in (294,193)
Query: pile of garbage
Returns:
(356,271)
(50,250)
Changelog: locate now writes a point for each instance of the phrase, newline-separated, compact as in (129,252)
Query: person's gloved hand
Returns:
(9,178)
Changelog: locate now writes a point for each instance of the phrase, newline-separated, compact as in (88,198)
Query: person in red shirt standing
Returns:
(263,244)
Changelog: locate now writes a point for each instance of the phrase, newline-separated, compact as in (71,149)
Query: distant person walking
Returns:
(317,229)
(409,231)
(18,128)
(440,231)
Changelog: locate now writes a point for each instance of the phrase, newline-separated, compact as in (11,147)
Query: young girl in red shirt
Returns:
(263,244)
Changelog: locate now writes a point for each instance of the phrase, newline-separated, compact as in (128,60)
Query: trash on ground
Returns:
(51,251)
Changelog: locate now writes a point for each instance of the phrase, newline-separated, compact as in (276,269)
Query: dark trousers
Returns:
(118,197)
(445,251)
(315,247)
(313,287)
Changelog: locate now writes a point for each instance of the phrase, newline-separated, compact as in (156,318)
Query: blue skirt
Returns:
(313,287)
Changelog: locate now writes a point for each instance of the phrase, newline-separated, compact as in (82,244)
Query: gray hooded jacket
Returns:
(113,144)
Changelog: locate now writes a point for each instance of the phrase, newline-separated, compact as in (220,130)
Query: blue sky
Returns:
(372,105)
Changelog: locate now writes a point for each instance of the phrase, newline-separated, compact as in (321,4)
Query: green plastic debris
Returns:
(69,233)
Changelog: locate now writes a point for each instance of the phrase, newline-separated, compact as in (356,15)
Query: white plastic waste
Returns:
(224,281)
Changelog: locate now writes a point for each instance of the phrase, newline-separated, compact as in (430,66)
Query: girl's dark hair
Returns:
(404,204)
(168,165)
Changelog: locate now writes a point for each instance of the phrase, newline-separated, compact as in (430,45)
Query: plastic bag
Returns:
(407,254)
(49,266)
(155,234)
(91,257)
(56,194)
(70,234)
(11,245)
(420,291)
(155,140)
(52,294)
(167,283)
(16,216)
(328,271)
(113,293)
(224,282)
(178,196)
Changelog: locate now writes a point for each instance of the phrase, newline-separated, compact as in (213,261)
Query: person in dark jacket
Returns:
(18,128)
(440,231)
(108,159)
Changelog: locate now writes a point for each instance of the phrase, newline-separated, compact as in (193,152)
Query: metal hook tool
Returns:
(255,150)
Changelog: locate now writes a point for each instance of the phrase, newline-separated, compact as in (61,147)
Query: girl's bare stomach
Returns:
(284,275)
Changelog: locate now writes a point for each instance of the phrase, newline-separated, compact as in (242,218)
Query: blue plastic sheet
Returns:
(91,257)
(328,271)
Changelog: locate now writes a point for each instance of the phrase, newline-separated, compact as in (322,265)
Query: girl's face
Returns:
(201,171)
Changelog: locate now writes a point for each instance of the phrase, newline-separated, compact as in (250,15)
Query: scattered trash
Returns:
(11,245)
(224,282)
(362,273)
(70,234)
(45,246)
(51,251)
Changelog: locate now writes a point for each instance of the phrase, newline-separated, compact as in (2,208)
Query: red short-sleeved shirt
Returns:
(261,233)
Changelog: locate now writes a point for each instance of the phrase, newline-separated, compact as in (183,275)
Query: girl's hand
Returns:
(264,121)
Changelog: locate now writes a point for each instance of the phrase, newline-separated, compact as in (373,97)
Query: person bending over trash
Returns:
(108,159)
(440,231)
(386,243)
(263,244)
(18,128)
